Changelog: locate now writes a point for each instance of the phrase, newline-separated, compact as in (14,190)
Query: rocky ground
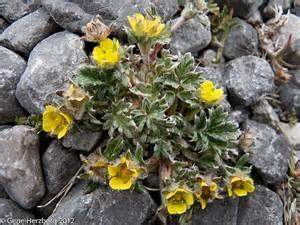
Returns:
(41,49)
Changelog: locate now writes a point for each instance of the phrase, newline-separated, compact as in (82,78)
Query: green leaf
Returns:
(139,153)
(88,76)
(163,149)
(185,66)
(242,161)
(214,131)
(114,148)
(90,186)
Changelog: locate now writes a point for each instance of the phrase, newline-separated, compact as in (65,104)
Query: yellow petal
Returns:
(124,160)
(213,187)
(68,117)
(132,22)
(203,184)
(239,192)
(100,163)
(248,187)
(250,180)
(113,170)
(62,132)
(234,179)
(135,172)
(202,203)
(189,198)
(176,208)
(107,44)
(117,183)
(207,86)
(170,194)
(217,94)
(98,54)
(229,191)
(49,121)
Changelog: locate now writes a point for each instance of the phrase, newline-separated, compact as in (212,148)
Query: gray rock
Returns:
(11,68)
(270,9)
(247,78)
(165,8)
(20,169)
(67,14)
(59,166)
(239,115)
(38,25)
(12,10)
(292,133)
(10,212)
(105,207)
(50,64)
(289,28)
(82,140)
(3,127)
(255,18)
(260,208)
(270,152)
(219,212)
(242,40)
(213,73)
(243,8)
(192,36)
(289,91)
(209,58)
(297,7)
(115,9)
(3,193)
(3,25)
(263,112)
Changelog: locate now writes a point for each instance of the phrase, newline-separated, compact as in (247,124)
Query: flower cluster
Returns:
(178,200)
(121,173)
(159,117)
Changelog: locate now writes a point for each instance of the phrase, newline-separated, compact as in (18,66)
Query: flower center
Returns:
(178,198)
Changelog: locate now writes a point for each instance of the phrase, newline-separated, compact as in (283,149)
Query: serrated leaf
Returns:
(139,153)
(186,65)
(88,76)
(113,148)
(242,161)
(215,132)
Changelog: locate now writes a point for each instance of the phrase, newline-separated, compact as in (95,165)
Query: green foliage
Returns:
(214,131)
(149,108)
(32,120)
(221,23)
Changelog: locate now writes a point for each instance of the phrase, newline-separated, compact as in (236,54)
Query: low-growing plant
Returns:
(160,116)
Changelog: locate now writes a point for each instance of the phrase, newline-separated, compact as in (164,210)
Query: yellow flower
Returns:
(143,27)
(107,54)
(208,191)
(208,94)
(240,186)
(56,121)
(179,200)
(123,174)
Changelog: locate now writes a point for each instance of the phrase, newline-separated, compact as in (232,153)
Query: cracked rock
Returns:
(247,78)
(38,25)
(105,207)
(50,65)
(12,67)
(20,167)
(270,152)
